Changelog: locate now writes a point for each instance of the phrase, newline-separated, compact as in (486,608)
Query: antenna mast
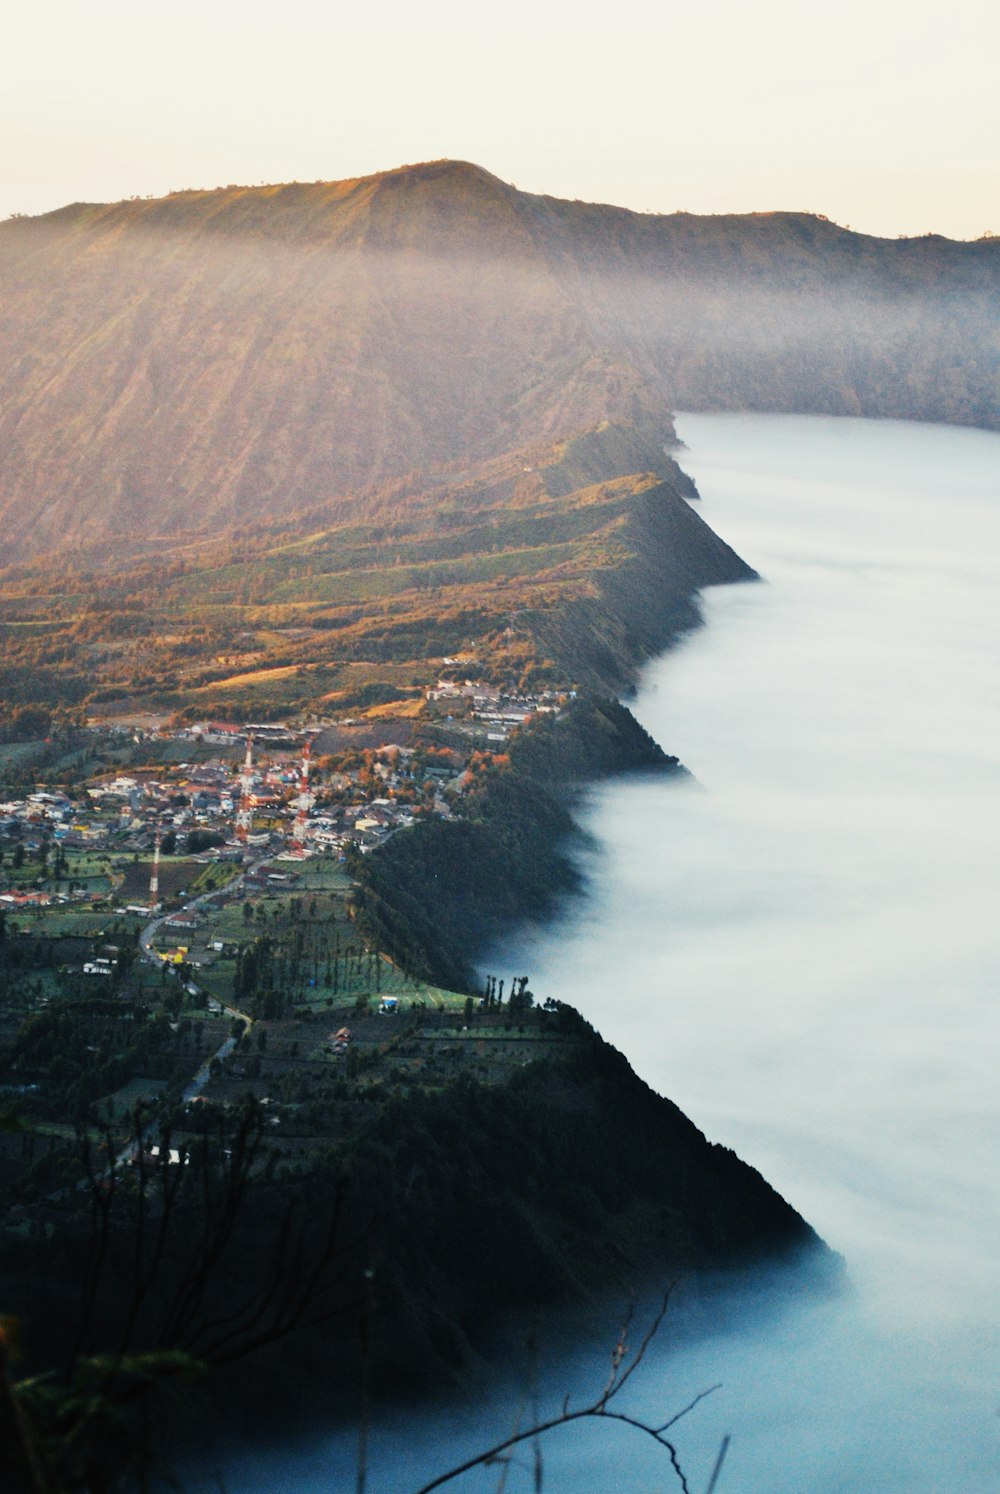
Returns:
(244,816)
(304,802)
(154,879)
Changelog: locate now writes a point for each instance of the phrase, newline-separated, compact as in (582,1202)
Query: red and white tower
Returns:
(154,876)
(244,815)
(304,802)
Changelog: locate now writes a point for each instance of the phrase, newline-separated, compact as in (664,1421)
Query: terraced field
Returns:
(285,615)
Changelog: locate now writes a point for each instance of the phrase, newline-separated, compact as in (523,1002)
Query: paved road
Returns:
(150,1133)
(198,1080)
(150,930)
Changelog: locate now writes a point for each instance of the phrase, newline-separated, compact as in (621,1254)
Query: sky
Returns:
(880,115)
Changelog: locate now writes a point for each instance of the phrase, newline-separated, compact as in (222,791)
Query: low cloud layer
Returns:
(801,949)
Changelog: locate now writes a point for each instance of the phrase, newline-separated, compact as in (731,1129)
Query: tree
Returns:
(203,840)
(161,1298)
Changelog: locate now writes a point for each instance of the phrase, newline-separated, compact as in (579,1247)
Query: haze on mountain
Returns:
(213,357)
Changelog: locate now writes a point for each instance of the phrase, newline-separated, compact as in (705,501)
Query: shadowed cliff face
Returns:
(218,355)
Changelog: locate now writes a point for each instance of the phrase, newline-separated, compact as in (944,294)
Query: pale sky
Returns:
(882,115)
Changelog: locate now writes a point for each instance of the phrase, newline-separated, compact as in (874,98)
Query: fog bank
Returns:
(801,949)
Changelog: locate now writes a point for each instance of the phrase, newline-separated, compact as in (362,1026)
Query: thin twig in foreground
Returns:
(598,1410)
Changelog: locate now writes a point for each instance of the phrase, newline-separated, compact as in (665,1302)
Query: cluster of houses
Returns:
(487,708)
(13,902)
(219,809)
(115,813)
(43,820)
(196,808)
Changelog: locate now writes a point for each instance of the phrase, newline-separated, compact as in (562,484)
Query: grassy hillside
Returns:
(536,561)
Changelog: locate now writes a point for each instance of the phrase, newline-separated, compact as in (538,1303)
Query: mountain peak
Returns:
(444,170)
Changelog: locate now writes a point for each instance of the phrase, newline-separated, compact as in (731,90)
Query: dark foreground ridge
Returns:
(478,1204)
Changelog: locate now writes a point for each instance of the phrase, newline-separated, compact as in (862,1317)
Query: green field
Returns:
(54,923)
(323,963)
(392,581)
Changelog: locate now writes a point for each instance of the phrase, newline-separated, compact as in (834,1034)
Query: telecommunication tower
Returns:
(304,802)
(244,815)
(154,876)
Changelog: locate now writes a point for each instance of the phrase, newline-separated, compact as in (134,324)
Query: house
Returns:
(174,956)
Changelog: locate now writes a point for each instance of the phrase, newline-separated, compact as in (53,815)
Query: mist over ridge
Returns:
(211,357)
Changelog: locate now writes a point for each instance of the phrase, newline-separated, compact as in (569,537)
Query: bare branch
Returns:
(649,1335)
(723,1449)
(702,1394)
(618,1354)
(599,1409)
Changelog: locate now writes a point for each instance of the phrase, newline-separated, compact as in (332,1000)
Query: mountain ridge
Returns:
(445,167)
(247,352)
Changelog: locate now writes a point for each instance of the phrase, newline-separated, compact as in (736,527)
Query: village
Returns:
(177,927)
(249,792)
